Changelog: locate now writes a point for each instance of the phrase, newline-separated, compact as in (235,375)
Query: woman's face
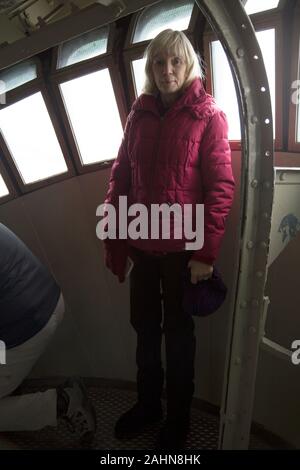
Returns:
(169,73)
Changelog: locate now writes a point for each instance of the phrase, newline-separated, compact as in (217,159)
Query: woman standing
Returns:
(175,150)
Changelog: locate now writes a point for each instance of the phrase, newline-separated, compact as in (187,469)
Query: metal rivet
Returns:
(267,153)
(243,26)
(254,183)
(243,303)
(240,52)
(266,215)
(267,184)
(254,119)
(267,121)
(263,89)
(250,245)
(259,274)
(238,361)
(255,57)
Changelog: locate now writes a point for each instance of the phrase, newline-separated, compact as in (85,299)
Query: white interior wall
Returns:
(278,380)
(58,223)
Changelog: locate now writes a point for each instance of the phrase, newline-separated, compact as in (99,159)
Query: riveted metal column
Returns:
(237,35)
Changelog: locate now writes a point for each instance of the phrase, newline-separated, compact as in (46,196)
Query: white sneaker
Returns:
(80,415)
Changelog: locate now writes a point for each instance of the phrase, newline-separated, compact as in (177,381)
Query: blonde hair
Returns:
(170,41)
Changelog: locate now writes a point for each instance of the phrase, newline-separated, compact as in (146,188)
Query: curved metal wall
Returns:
(235,31)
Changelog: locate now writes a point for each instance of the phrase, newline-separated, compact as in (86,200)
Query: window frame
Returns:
(18,94)
(59,76)
(14,94)
(86,62)
(293,145)
(273,20)
(11,93)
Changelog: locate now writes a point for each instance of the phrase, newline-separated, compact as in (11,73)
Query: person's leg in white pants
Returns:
(34,410)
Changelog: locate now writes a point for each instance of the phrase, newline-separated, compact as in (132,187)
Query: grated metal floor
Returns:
(110,403)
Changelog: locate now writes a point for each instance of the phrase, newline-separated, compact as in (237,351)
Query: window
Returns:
(85,47)
(168,14)
(94,116)
(17,76)
(223,85)
(30,137)
(266,40)
(256,6)
(139,74)
(3,188)
(226,100)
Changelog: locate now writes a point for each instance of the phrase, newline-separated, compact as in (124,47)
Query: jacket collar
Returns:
(193,99)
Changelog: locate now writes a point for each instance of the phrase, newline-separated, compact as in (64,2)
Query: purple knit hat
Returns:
(205,297)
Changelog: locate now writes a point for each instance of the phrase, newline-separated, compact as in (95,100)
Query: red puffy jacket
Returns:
(181,157)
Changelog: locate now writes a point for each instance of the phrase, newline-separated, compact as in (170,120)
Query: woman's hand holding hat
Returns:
(199,271)
(202,298)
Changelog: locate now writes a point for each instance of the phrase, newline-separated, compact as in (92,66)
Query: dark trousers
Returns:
(148,274)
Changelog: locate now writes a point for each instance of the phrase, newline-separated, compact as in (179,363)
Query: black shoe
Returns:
(173,436)
(134,420)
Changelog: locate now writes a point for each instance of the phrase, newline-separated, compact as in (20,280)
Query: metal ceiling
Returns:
(77,22)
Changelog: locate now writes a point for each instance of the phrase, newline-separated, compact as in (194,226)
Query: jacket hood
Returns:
(194,99)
